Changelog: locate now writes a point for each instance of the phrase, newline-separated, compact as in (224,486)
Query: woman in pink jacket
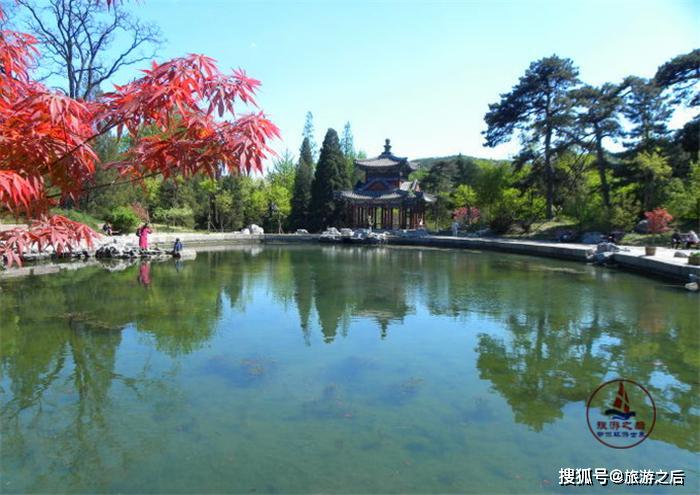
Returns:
(143,236)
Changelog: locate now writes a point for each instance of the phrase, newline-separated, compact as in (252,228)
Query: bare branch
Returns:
(77,37)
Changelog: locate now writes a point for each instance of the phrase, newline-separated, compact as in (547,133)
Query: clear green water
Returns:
(309,369)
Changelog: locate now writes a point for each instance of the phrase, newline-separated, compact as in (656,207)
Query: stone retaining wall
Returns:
(194,240)
(664,264)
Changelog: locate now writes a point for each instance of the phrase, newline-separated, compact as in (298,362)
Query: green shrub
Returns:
(123,219)
(624,213)
(180,217)
(515,207)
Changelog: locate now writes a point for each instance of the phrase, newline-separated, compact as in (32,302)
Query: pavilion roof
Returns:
(397,196)
(386,160)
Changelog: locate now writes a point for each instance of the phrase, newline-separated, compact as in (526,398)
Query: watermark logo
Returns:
(621,413)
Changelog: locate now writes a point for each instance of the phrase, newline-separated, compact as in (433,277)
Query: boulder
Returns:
(680,254)
(245,231)
(255,229)
(302,231)
(642,227)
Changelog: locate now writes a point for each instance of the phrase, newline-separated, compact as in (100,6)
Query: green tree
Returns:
(540,108)
(466,170)
(464,195)
(303,179)
(684,199)
(689,138)
(649,112)
(279,200)
(491,182)
(347,146)
(440,178)
(308,133)
(681,75)
(650,170)
(600,118)
(329,178)
(283,171)
(440,181)
(347,142)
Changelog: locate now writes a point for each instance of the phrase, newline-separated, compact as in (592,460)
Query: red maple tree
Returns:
(45,137)
(658,220)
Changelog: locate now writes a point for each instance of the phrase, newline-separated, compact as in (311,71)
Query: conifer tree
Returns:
(308,133)
(330,177)
(647,108)
(301,198)
(539,108)
(347,144)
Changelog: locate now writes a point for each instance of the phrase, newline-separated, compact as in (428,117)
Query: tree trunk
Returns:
(602,168)
(549,171)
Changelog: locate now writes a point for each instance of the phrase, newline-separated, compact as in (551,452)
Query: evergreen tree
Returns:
(600,118)
(539,106)
(330,177)
(649,112)
(347,144)
(301,199)
(681,74)
(308,133)
(467,170)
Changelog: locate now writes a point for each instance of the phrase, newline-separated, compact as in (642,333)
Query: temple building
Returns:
(386,199)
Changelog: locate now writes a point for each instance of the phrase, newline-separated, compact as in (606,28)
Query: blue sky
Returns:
(420,73)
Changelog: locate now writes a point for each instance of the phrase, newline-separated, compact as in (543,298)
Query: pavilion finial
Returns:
(387,146)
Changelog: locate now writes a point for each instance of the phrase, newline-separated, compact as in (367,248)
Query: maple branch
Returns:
(115,182)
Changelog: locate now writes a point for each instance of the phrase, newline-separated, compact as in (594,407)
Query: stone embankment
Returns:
(663,264)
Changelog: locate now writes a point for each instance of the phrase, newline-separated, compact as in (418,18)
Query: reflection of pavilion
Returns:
(387,199)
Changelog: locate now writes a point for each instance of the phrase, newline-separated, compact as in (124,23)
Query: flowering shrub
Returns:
(658,220)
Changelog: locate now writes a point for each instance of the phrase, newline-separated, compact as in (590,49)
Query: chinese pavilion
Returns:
(386,199)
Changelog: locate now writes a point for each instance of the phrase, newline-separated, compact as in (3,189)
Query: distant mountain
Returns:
(426,163)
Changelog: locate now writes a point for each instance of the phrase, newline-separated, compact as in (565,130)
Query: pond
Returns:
(287,369)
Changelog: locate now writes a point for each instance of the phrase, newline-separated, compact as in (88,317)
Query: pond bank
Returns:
(664,264)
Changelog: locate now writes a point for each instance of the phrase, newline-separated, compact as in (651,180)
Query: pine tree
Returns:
(330,178)
(301,198)
(467,170)
(647,108)
(540,107)
(599,118)
(308,133)
(347,144)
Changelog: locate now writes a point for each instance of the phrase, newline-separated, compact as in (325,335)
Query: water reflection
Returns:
(560,329)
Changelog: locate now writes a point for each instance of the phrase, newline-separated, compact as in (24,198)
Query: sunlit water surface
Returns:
(334,369)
